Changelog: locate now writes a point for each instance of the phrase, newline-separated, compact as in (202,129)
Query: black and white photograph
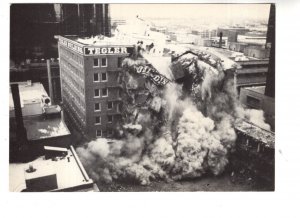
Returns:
(142,97)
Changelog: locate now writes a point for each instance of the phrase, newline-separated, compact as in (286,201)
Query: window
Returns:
(97,93)
(253,102)
(96,77)
(103,77)
(96,62)
(103,62)
(97,120)
(109,105)
(120,62)
(97,107)
(98,133)
(120,78)
(109,118)
(119,107)
(110,132)
(104,92)
(120,93)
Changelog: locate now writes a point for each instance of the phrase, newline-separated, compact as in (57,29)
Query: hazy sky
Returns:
(217,11)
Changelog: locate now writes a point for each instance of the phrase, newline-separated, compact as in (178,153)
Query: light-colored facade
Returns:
(91,75)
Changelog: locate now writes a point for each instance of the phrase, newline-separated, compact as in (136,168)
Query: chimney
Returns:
(270,83)
(21,131)
(220,42)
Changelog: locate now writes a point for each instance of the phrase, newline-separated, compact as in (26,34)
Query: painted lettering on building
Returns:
(72,46)
(152,74)
(105,50)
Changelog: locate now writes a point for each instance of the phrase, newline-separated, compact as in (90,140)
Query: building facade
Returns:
(91,77)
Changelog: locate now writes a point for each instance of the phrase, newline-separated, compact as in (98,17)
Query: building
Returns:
(232,32)
(41,158)
(36,71)
(91,74)
(47,20)
(259,52)
(254,156)
(237,46)
(54,170)
(254,97)
(42,120)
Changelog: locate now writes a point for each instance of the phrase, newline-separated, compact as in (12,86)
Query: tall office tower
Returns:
(91,78)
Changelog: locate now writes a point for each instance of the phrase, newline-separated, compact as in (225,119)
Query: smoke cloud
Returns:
(183,129)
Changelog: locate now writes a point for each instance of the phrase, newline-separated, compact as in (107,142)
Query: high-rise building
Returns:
(91,79)
(33,27)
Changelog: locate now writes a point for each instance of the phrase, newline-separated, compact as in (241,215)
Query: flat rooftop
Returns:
(40,128)
(265,136)
(30,93)
(101,40)
(68,169)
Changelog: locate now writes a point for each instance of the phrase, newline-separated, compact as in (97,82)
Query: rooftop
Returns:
(40,128)
(68,170)
(36,118)
(265,136)
(30,93)
(104,41)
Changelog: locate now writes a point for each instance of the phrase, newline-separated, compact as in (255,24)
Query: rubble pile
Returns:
(173,127)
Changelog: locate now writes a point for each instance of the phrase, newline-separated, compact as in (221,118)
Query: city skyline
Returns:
(217,12)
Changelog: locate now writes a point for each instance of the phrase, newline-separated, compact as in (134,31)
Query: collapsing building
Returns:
(178,119)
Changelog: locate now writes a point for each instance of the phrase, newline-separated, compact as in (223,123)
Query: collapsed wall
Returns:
(175,125)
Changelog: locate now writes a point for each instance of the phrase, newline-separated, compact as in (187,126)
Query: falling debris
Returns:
(174,126)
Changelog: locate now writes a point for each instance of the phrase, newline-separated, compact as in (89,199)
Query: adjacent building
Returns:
(91,79)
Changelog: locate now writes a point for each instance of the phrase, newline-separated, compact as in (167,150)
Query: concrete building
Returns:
(41,158)
(254,97)
(232,32)
(42,120)
(237,46)
(251,73)
(91,74)
(257,51)
(55,170)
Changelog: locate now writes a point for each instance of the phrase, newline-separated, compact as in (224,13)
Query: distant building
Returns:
(251,73)
(232,32)
(216,41)
(259,52)
(252,40)
(91,82)
(237,46)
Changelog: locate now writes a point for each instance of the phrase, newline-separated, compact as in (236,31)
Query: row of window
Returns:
(80,116)
(103,62)
(104,93)
(72,70)
(110,105)
(99,133)
(103,77)
(72,95)
(73,83)
(71,56)
(98,119)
